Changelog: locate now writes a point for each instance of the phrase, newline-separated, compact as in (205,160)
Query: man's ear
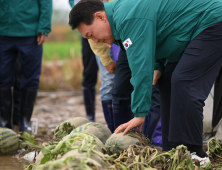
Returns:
(99,15)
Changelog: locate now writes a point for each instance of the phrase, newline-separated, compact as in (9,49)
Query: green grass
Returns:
(61,50)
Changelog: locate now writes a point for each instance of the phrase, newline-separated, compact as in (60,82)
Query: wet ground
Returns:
(12,163)
(50,110)
(54,108)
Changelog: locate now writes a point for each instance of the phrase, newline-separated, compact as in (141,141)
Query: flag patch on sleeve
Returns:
(127,43)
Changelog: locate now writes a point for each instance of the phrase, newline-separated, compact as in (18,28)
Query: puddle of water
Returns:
(11,163)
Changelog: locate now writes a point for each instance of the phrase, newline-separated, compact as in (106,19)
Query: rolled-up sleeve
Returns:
(140,54)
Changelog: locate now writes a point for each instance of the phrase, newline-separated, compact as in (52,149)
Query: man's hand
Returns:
(156,75)
(111,67)
(41,39)
(135,122)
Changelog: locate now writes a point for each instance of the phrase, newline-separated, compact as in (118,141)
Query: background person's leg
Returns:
(31,59)
(17,93)
(122,97)
(122,90)
(90,70)
(8,53)
(191,83)
(106,93)
(151,121)
(157,136)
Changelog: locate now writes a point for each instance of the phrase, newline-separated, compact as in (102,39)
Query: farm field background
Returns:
(62,60)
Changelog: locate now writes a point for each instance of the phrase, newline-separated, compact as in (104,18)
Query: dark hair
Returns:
(83,12)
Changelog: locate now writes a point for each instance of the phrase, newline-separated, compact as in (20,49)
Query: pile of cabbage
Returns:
(83,145)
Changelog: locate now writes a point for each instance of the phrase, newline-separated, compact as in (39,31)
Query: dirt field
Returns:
(54,108)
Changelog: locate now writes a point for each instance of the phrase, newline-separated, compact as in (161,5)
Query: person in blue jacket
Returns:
(24,25)
(188,34)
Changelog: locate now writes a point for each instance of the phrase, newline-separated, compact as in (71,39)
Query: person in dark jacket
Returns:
(24,26)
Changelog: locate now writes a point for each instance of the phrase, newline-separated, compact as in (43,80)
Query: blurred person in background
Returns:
(24,26)
(90,71)
(106,90)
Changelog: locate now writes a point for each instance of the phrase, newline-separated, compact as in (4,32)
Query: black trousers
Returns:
(184,86)
(89,65)
(17,92)
(31,60)
(122,87)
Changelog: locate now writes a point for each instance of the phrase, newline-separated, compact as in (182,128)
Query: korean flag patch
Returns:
(127,43)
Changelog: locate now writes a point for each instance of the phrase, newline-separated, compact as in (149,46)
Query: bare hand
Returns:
(135,122)
(111,67)
(110,45)
(156,75)
(41,39)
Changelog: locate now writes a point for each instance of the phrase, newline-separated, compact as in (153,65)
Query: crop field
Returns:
(61,50)
(62,60)
(62,43)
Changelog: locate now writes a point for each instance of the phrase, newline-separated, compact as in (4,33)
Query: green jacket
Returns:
(73,2)
(153,30)
(23,18)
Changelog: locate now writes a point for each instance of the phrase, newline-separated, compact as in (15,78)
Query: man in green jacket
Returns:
(24,25)
(186,33)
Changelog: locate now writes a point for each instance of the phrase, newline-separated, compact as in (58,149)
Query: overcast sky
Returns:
(61,4)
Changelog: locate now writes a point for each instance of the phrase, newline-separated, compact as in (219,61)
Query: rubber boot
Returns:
(122,114)
(151,122)
(27,105)
(16,106)
(108,114)
(198,149)
(89,100)
(6,107)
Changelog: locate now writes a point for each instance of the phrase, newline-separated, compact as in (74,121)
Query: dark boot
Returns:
(151,122)
(27,105)
(89,100)
(6,107)
(195,148)
(122,114)
(16,106)
(108,113)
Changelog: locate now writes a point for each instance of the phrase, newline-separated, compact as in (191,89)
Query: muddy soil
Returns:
(50,110)
(53,109)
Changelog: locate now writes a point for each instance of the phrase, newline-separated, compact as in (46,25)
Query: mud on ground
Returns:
(54,108)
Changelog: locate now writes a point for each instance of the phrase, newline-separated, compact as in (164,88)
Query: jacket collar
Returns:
(109,12)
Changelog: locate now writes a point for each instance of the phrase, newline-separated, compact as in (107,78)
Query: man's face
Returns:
(99,30)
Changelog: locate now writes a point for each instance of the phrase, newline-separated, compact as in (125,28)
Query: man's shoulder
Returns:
(126,10)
